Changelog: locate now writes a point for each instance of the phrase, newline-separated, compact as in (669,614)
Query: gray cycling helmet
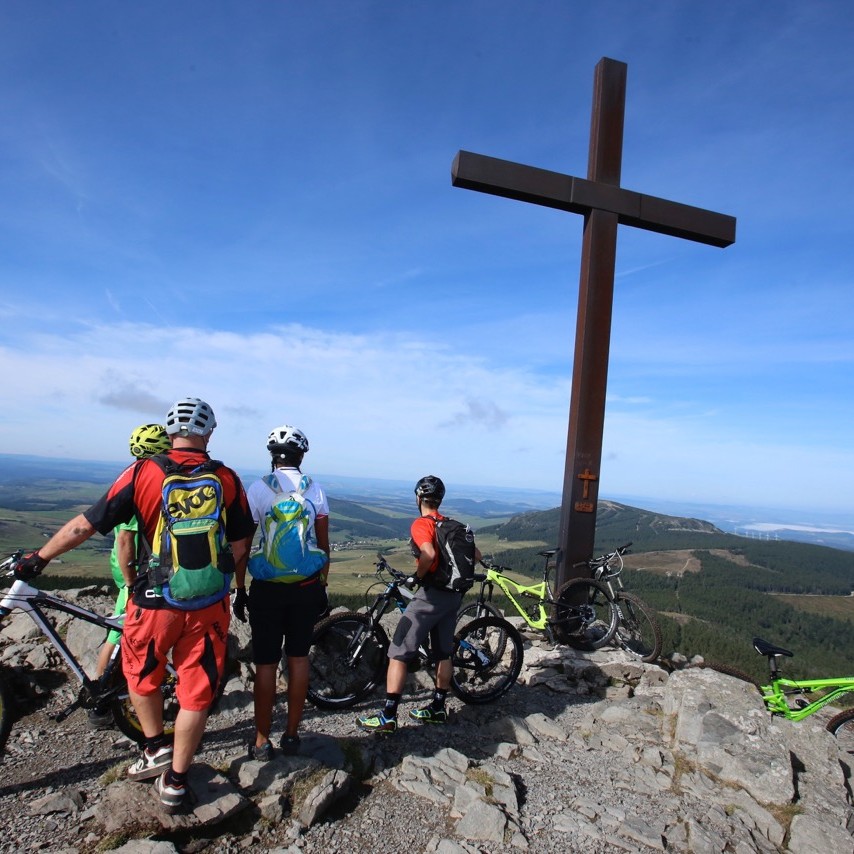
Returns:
(190,417)
(286,438)
(431,488)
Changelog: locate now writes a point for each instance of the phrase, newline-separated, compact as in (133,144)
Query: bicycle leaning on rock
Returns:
(106,694)
(796,699)
(348,656)
(638,632)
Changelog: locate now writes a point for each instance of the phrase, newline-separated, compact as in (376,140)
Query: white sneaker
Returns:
(151,764)
(172,797)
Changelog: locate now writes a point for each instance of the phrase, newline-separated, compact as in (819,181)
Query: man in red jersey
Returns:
(154,628)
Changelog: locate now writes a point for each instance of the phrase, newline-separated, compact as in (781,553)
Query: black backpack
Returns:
(456,549)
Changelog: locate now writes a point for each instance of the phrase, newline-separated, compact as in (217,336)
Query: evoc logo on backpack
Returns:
(456,550)
(288,551)
(190,558)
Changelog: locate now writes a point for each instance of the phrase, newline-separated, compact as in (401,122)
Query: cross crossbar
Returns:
(578,195)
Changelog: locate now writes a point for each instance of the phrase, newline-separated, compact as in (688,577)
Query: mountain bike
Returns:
(796,699)
(109,692)
(348,657)
(638,632)
(584,615)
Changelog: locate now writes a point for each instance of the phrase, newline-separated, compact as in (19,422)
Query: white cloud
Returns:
(391,407)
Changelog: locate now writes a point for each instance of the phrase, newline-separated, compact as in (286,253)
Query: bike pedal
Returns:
(61,715)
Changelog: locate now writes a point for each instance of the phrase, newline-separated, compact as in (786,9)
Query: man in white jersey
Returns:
(283,609)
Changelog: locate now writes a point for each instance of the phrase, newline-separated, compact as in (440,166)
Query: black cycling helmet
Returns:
(431,488)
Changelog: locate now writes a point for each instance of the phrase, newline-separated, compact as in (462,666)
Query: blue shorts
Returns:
(431,612)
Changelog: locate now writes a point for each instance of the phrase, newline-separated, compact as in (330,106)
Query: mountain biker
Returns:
(432,611)
(145,441)
(153,629)
(284,610)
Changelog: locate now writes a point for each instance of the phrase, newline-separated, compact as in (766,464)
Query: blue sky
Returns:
(251,203)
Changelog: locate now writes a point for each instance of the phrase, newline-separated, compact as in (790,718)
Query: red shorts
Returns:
(197,641)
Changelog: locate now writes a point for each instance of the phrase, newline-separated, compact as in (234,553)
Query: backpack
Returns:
(190,559)
(456,549)
(285,552)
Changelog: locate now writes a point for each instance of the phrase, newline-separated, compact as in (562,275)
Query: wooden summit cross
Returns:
(604,205)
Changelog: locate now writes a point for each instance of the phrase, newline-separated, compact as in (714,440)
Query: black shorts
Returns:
(283,613)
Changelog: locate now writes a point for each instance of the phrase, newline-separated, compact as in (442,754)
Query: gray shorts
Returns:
(431,612)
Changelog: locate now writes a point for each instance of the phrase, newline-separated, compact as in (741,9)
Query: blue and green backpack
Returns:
(287,551)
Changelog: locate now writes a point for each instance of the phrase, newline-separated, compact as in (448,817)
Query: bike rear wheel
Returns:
(487,660)
(346,661)
(122,708)
(7,711)
(585,615)
(638,632)
(842,726)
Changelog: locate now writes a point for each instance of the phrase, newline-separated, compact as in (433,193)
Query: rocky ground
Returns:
(587,753)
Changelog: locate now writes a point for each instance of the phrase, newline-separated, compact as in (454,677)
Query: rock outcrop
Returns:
(589,752)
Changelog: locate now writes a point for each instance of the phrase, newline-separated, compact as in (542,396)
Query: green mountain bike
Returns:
(582,613)
(796,699)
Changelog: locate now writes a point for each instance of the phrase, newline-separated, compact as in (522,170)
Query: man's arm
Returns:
(240,549)
(68,537)
(425,560)
(321,531)
(126,554)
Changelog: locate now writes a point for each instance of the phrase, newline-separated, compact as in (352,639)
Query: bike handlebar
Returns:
(382,565)
(8,564)
(493,566)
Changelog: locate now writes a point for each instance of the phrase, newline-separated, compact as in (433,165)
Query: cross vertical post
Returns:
(604,205)
(577,530)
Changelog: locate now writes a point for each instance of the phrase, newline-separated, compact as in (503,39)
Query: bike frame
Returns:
(23,597)
(606,573)
(510,587)
(774,695)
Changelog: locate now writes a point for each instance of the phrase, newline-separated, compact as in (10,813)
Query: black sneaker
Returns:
(377,723)
(429,716)
(264,753)
(100,720)
(290,745)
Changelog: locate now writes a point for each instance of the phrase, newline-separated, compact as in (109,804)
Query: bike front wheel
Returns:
(487,660)
(638,632)
(122,708)
(346,661)
(585,615)
(842,726)
(476,611)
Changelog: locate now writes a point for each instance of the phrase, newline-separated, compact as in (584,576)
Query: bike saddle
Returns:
(548,553)
(765,648)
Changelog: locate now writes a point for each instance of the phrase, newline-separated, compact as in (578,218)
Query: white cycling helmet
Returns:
(190,416)
(287,438)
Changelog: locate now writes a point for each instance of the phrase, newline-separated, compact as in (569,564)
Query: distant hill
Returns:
(351,521)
